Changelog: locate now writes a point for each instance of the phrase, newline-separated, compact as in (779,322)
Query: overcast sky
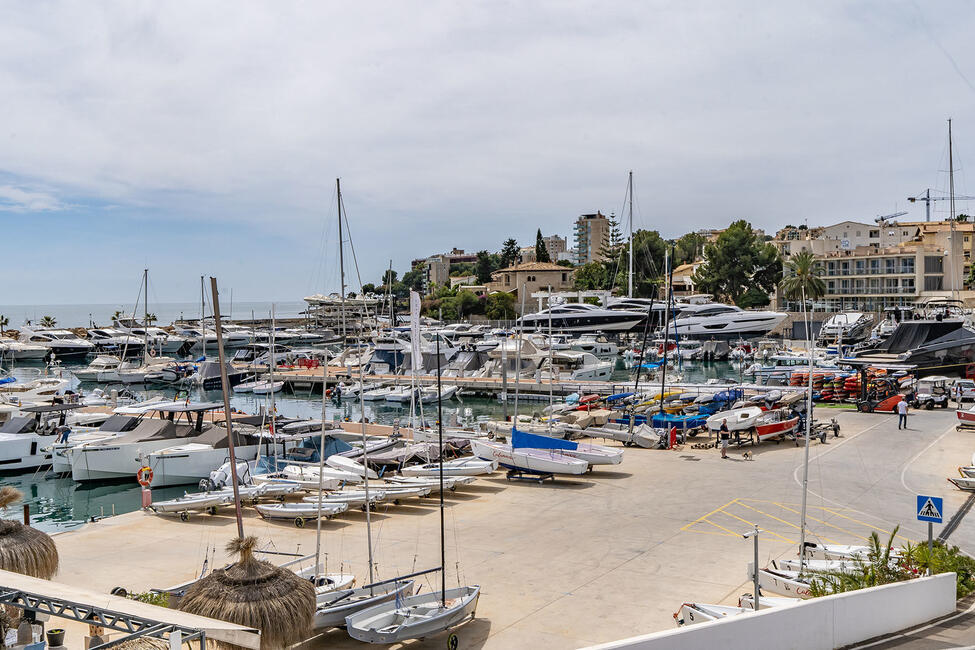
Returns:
(205,138)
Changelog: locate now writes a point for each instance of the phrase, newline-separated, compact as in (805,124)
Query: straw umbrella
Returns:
(256,594)
(143,643)
(24,549)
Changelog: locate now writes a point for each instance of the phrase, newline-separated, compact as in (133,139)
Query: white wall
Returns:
(827,622)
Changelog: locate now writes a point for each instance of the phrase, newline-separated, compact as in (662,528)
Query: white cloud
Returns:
(17,199)
(464,123)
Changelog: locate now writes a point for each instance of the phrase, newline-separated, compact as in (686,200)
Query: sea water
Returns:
(166,312)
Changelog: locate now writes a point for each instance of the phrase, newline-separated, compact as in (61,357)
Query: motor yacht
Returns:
(20,351)
(719,321)
(103,368)
(159,339)
(116,342)
(259,354)
(64,344)
(581,317)
(846,326)
(196,337)
(25,439)
(576,366)
(595,345)
(119,458)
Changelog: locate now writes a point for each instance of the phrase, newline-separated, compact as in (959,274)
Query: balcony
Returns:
(835,273)
(871,291)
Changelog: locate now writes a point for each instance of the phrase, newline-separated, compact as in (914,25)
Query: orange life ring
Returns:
(144,476)
(152,352)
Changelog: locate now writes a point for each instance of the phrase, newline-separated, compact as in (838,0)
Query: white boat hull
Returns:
(532,460)
(414,617)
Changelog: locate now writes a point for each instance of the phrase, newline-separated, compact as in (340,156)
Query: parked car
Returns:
(967,388)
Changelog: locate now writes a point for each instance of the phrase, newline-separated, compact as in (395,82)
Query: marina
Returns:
(613,326)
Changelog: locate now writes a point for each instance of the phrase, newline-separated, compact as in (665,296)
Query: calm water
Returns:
(166,312)
(58,503)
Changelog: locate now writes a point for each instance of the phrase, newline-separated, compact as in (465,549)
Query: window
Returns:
(907,265)
(564,278)
(933,264)
(874,234)
(858,233)
(933,282)
(859,267)
(890,265)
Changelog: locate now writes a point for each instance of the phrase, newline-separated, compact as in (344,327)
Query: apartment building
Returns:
(591,232)
(555,245)
(436,268)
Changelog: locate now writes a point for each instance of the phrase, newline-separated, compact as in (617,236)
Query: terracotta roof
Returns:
(535,266)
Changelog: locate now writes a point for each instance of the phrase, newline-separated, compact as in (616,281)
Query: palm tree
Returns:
(119,314)
(48,321)
(4,321)
(150,319)
(801,280)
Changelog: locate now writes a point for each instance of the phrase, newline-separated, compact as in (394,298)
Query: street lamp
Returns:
(755,595)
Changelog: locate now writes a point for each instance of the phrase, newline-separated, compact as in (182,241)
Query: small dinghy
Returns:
(413,617)
(847,565)
(397,493)
(266,387)
(592,454)
(780,581)
(207,501)
(432,482)
(963,483)
(299,512)
(344,464)
(967,472)
(691,613)
(643,435)
(334,606)
(276,489)
(468,466)
(530,460)
(247,386)
(816,551)
(764,602)
(351,498)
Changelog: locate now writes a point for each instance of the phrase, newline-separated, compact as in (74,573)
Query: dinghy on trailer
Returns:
(300,513)
(468,466)
(205,501)
(413,617)
(334,606)
(538,461)
(592,454)
(693,613)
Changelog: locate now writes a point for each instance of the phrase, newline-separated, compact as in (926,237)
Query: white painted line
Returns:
(908,464)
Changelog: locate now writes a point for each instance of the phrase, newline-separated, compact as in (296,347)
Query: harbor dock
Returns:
(583,560)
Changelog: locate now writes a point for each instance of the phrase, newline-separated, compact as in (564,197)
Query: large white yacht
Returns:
(20,351)
(581,317)
(719,321)
(62,343)
(26,439)
(121,457)
(161,341)
(113,341)
(846,326)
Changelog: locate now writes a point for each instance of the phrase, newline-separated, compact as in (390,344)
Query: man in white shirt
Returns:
(902,414)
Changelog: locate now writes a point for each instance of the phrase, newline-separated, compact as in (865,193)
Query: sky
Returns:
(205,138)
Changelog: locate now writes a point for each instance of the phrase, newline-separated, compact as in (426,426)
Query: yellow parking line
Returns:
(783,537)
(788,523)
(704,517)
(826,539)
(863,523)
(711,532)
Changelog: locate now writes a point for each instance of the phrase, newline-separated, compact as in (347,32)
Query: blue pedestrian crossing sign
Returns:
(929,508)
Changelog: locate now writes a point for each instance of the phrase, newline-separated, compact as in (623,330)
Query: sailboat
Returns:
(334,606)
(416,617)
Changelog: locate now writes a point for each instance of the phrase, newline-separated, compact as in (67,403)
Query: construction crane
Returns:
(927,198)
(882,219)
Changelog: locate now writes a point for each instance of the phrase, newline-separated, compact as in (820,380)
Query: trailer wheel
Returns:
(299,522)
(929,405)
(183,516)
(212,510)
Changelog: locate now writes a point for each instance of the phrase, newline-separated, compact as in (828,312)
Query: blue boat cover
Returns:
(520,439)
(7,380)
(618,396)
(666,420)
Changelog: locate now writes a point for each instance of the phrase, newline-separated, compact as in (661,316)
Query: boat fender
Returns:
(144,475)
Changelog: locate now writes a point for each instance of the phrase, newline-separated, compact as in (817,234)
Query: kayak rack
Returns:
(529,475)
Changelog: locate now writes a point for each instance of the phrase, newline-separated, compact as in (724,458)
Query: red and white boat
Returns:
(775,424)
(967,416)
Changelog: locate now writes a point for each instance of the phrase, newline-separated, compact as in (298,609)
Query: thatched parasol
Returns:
(143,643)
(24,549)
(255,594)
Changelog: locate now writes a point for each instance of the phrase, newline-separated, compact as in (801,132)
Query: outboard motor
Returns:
(220,477)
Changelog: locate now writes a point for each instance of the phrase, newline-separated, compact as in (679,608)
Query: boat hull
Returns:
(531,460)
(408,618)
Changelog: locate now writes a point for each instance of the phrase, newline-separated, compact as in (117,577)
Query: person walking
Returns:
(725,436)
(902,414)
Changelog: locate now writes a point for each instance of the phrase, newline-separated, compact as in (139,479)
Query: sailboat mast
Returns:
(951,173)
(338,194)
(663,368)
(321,471)
(551,369)
(203,323)
(270,391)
(805,460)
(629,285)
(521,340)
(443,551)
(145,317)
(365,463)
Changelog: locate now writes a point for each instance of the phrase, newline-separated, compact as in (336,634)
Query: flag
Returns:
(415,354)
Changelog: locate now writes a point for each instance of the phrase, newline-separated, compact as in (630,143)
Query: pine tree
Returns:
(541,251)
(509,253)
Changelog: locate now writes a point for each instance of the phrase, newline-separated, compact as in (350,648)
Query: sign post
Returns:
(930,509)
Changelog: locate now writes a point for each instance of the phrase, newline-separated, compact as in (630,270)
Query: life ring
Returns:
(152,352)
(144,476)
